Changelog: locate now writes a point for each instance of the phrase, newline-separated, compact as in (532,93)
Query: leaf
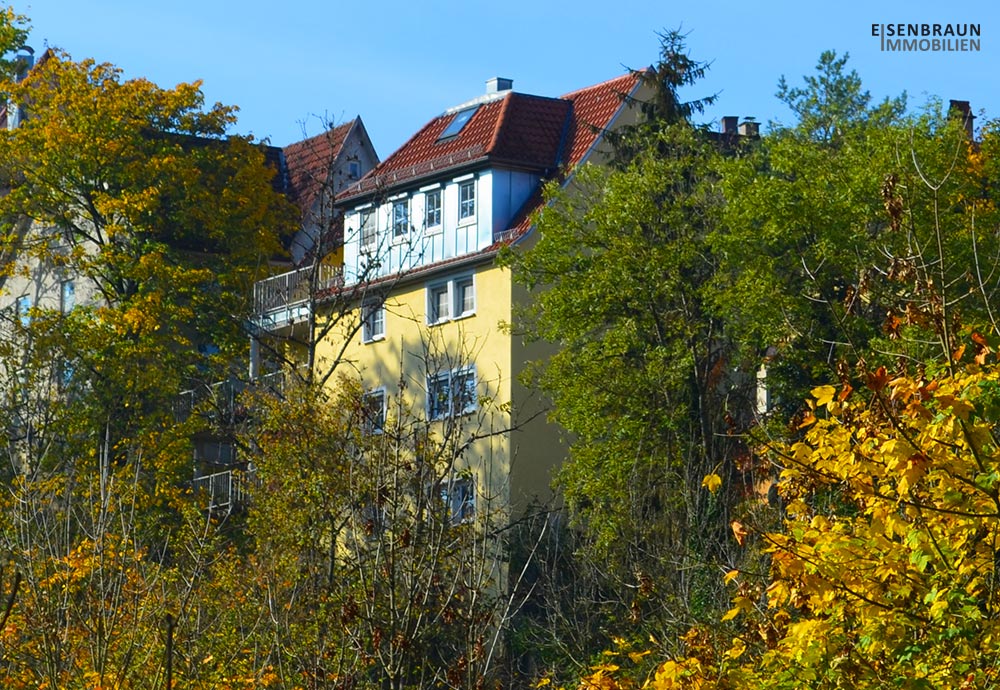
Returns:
(823,394)
(878,379)
(636,657)
(712,482)
(740,532)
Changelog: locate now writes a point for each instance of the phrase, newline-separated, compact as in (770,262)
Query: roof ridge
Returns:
(631,73)
(325,133)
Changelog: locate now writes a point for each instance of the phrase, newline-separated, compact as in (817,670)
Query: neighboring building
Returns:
(428,303)
(310,173)
(314,171)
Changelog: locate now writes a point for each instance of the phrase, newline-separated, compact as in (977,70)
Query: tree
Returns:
(663,106)
(853,257)
(376,561)
(134,230)
(643,383)
(878,567)
(883,572)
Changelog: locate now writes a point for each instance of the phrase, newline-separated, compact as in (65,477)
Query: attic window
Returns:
(458,122)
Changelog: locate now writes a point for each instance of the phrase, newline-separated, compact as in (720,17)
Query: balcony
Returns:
(224,490)
(283,300)
(218,402)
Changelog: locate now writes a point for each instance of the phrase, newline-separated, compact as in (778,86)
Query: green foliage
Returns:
(833,101)
(113,186)
(643,384)
(662,106)
(13,32)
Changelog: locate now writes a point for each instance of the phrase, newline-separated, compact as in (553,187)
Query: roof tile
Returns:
(309,162)
(517,129)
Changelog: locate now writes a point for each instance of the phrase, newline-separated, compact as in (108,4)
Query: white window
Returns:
(454,298)
(465,296)
(373,323)
(459,498)
(67,296)
(400,218)
(368,233)
(451,393)
(432,210)
(66,371)
(373,411)
(467,200)
(23,307)
(438,303)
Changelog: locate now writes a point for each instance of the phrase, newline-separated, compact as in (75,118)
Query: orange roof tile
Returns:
(594,110)
(309,161)
(517,129)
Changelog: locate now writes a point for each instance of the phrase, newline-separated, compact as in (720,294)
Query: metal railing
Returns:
(224,490)
(223,400)
(287,290)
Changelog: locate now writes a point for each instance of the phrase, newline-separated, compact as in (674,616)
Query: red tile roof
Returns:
(517,129)
(309,161)
(594,109)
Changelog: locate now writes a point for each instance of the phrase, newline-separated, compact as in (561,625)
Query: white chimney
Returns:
(498,84)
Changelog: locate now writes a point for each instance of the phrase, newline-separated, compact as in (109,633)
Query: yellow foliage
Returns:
(712,482)
(883,571)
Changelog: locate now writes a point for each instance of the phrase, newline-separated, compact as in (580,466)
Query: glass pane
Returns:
(439,304)
(466,296)
(461,118)
(467,199)
(400,221)
(433,215)
(367,228)
(68,297)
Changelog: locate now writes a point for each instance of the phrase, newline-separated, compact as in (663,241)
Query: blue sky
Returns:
(290,65)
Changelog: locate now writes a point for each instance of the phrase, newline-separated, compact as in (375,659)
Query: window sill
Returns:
(465,222)
(369,341)
(456,415)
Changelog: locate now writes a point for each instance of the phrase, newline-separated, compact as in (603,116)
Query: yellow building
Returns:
(420,312)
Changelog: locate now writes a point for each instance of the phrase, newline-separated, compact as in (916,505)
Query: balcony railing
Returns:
(284,299)
(222,398)
(222,403)
(224,490)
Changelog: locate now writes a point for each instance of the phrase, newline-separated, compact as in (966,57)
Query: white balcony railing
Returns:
(284,299)
(224,490)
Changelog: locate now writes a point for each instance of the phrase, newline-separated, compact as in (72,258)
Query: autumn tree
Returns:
(874,560)
(135,228)
(375,561)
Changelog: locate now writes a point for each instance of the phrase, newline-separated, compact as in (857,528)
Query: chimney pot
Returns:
(729,124)
(750,128)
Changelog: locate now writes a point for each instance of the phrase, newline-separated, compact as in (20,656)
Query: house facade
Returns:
(429,326)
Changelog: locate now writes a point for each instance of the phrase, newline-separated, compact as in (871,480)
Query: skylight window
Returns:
(461,118)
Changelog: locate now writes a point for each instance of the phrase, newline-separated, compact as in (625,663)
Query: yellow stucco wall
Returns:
(412,351)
